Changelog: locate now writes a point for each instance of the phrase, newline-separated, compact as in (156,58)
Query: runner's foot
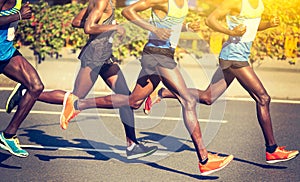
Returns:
(152,99)
(140,150)
(214,163)
(14,98)
(69,111)
(12,145)
(280,155)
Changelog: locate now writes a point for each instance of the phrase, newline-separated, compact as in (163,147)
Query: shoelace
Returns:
(16,141)
(282,148)
(216,155)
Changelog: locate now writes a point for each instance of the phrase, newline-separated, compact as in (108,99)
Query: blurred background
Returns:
(49,30)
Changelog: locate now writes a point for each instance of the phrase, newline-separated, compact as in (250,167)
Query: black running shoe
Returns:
(14,98)
(140,150)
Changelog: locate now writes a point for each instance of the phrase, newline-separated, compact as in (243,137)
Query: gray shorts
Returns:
(153,57)
(225,64)
(96,53)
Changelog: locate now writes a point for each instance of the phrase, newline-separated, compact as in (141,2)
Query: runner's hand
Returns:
(26,11)
(194,26)
(238,30)
(121,31)
(275,21)
(163,33)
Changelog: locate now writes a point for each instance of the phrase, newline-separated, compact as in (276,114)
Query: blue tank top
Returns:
(7,32)
(173,20)
(237,48)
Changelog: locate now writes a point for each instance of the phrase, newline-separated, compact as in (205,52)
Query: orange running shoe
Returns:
(280,155)
(150,102)
(68,112)
(214,163)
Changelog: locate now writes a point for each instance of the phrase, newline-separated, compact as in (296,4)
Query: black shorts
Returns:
(225,64)
(4,63)
(154,56)
(96,53)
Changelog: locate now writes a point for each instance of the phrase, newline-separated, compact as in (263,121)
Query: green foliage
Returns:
(50,29)
(136,37)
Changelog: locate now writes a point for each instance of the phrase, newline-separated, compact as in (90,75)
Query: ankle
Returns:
(8,136)
(76,105)
(271,149)
(204,161)
(160,92)
(131,146)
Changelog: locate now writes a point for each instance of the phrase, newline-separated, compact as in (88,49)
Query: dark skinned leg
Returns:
(249,80)
(20,70)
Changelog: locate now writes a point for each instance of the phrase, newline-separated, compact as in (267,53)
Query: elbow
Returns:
(87,30)
(207,22)
(75,23)
(125,12)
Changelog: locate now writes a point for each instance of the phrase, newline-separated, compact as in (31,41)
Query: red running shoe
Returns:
(69,111)
(149,103)
(214,163)
(280,155)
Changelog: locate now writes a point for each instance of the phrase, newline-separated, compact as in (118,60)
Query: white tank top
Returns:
(250,17)
(173,20)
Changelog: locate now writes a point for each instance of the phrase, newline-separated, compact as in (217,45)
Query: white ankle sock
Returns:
(131,147)
(23,92)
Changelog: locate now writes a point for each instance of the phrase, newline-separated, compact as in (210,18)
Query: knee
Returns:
(135,104)
(265,99)
(189,103)
(36,88)
(206,99)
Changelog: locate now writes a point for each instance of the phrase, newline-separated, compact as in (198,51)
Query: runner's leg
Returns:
(145,85)
(173,80)
(249,80)
(20,70)
(219,83)
(114,78)
(85,80)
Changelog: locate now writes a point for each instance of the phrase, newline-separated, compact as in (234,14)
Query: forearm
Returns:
(214,24)
(264,25)
(79,20)
(97,29)
(133,17)
(8,19)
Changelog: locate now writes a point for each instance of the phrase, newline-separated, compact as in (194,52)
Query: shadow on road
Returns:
(40,138)
(196,176)
(266,166)
(4,157)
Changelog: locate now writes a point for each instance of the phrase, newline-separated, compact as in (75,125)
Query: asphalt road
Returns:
(93,147)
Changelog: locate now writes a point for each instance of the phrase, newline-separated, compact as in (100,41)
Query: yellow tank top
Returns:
(12,10)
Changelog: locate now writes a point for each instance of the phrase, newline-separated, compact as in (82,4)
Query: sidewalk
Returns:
(279,77)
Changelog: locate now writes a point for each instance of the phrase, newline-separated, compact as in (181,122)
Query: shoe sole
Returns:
(11,96)
(63,110)
(141,155)
(212,171)
(281,160)
(147,112)
(156,100)
(3,147)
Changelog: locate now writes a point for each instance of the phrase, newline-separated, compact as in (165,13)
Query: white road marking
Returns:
(117,115)
(272,100)
(85,149)
(287,101)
